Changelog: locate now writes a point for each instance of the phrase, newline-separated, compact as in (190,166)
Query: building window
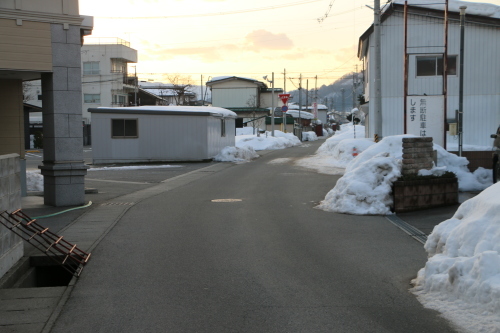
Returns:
(119,100)
(222,127)
(91,68)
(433,65)
(39,97)
(118,66)
(92,98)
(124,128)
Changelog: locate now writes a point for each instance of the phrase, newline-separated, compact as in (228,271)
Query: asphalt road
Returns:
(178,262)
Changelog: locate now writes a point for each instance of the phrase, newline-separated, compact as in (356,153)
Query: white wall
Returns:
(481,74)
(161,138)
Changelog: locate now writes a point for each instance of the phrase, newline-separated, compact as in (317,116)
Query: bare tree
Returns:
(256,123)
(181,87)
(27,92)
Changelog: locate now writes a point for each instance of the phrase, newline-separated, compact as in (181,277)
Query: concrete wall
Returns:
(11,246)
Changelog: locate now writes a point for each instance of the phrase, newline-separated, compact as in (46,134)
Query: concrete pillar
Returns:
(63,167)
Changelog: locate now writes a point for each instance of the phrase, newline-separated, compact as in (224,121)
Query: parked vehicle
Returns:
(496,154)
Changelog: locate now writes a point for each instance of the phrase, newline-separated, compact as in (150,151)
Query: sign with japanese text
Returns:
(425,117)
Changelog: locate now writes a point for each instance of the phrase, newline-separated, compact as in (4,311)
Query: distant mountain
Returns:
(337,96)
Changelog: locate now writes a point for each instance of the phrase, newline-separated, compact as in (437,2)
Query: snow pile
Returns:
(236,154)
(346,131)
(246,131)
(351,199)
(467,181)
(34,181)
(366,189)
(267,142)
(309,136)
(462,276)
(300,114)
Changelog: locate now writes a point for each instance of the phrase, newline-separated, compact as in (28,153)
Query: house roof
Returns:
(479,13)
(220,79)
(169,110)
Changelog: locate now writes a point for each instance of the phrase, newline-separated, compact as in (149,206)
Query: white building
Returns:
(160,133)
(248,98)
(425,76)
(106,80)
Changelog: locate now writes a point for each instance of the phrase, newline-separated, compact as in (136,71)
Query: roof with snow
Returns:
(218,79)
(169,110)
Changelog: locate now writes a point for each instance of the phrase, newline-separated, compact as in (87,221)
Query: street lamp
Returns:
(272,101)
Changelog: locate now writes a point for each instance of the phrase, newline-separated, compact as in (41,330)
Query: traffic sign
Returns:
(284,108)
(284,97)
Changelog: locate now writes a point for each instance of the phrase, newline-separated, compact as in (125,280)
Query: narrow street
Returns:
(266,262)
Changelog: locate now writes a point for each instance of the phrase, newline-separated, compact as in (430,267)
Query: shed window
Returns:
(124,128)
(91,67)
(222,127)
(433,65)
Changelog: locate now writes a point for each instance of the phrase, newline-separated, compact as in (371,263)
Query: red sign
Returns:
(284,97)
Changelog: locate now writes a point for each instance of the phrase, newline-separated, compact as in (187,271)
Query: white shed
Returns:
(160,133)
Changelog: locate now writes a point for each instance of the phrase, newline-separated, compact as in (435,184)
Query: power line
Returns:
(215,14)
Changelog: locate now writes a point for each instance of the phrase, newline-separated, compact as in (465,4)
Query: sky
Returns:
(210,38)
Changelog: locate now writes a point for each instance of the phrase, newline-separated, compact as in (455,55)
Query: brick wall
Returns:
(11,246)
(417,154)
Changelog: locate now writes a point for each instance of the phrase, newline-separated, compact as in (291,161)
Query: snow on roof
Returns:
(188,109)
(303,114)
(220,78)
(473,8)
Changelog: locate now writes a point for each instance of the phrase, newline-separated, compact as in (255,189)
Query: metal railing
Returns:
(105,41)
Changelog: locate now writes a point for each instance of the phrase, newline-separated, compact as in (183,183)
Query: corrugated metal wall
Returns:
(235,97)
(481,73)
(161,137)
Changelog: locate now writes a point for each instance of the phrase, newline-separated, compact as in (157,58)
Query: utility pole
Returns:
(377,100)
(307,95)
(272,105)
(201,87)
(300,105)
(284,80)
(136,85)
(461,82)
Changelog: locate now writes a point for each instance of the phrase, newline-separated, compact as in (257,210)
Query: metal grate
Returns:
(55,247)
(118,204)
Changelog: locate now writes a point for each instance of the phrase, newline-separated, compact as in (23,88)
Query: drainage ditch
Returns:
(37,272)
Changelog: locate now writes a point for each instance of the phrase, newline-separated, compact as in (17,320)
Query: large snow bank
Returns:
(462,276)
(236,154)
(267,142)
(357,171)
(366,189)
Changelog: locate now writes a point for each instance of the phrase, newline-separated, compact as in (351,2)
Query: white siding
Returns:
(481,74)
(235,97)
(161,138)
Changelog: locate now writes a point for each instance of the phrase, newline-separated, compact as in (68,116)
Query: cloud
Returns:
(346,54)
(261,39)
(206,54)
